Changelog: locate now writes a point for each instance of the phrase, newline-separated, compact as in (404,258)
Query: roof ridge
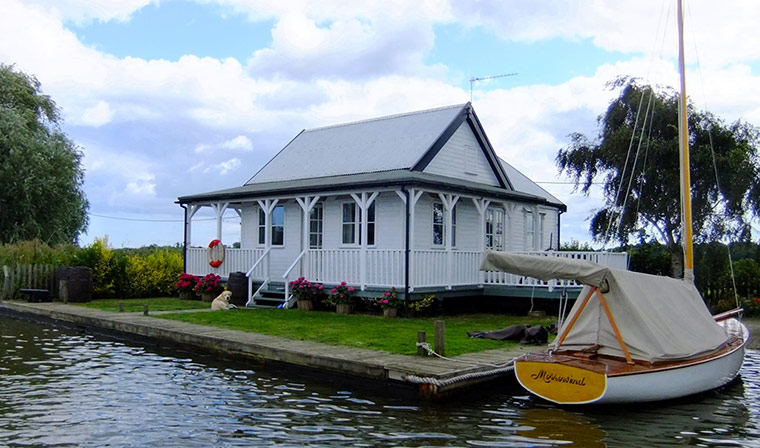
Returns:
(388,117)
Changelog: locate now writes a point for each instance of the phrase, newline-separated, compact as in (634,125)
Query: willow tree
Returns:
(635,157)
(41,176)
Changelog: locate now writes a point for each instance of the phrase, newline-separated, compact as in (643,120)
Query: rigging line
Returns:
(728,246)
(622,175)
(644,164)
(635,161)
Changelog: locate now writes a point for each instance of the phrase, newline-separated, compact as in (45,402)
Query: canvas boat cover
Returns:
(659,318)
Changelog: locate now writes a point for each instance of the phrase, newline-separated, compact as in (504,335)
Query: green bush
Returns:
(154,274)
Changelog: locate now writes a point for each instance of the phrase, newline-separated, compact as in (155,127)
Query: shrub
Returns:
(210,284)
(341,294)
(390,300)
(305,290)
(186,282)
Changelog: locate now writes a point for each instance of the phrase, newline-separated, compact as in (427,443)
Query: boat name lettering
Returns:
(550,377)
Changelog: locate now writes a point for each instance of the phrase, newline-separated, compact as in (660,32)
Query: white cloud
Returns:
(239,143)
(224,167)
(346,49)
(97,115)
(142,187)
(80,11)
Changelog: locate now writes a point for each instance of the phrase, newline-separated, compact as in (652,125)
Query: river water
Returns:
(63,388)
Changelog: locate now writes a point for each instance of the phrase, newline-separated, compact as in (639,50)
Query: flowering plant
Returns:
(305,290)
(211,283)
(341,294)
(389,300)
(186,282)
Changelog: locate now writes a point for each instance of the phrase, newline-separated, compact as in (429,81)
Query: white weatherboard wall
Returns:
(462,158)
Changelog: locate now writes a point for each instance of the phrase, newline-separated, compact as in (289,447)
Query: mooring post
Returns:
(145,309)
(440,337)
(421,340)
(121,307)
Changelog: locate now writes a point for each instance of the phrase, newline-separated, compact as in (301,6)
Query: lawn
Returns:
(394,335)
(154,304)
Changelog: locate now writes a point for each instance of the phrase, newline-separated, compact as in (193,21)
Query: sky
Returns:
(175,97)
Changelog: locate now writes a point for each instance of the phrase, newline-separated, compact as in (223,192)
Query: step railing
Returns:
(266,265)
(289,299)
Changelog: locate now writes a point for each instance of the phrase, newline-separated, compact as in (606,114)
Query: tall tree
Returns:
(635,155)
(41,175)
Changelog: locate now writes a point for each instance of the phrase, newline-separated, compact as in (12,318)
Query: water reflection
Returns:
(62,388)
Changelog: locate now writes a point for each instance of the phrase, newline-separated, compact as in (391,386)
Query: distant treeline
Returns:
(712,270)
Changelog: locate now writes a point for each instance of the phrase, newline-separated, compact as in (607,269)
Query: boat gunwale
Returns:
(601,363)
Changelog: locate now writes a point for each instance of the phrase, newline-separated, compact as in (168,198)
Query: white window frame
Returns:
(530,230)
(442,224)
(316,226)
(357,224)
(262,226)
(494,229)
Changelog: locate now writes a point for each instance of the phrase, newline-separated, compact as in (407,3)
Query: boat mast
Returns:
(683,147)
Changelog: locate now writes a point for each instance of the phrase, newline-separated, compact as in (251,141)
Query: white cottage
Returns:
(409,201)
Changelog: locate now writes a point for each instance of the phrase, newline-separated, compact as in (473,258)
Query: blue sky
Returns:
(174,97)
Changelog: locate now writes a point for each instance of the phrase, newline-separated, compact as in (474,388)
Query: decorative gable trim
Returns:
(441,141)
(467,114)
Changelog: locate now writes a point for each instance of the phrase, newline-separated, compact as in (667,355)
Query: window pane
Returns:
(348,233)
(278,236)
(371,234)
(262,234)
(278,216)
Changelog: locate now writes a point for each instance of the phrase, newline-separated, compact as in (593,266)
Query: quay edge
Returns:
(431,378)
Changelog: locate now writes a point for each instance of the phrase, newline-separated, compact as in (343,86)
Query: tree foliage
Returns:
(646,120)
(41,176)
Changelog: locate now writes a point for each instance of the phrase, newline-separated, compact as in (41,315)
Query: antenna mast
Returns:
(473,80)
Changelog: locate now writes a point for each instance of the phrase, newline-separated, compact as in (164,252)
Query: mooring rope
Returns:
(496,370)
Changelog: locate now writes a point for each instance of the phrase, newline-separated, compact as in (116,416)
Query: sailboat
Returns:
(631,337)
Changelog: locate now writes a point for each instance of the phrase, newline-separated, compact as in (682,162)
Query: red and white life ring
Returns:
(215,253)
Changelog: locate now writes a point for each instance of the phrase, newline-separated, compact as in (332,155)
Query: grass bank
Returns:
(394,335)
(154,304)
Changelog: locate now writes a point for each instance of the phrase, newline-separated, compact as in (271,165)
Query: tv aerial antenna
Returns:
(473,80)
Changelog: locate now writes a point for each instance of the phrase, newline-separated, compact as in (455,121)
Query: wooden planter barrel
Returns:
(74,284)
(237,283)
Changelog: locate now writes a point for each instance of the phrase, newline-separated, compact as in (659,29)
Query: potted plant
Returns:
(209,287)
(390,303)
(342,296)
(186,286)
(307,294)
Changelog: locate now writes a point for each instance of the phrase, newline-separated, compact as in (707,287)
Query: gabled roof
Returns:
(397,142)
(392,150)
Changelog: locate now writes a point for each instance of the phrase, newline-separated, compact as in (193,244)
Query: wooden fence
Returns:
(32,276)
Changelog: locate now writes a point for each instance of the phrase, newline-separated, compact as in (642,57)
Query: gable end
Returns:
(467,114)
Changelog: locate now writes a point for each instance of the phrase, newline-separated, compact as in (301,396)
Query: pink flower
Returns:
(387,294)
(384,301)
(342,283)
(321,287)
(350,288)
(333,291)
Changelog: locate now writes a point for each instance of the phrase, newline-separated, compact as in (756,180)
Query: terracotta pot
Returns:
(306,305)
(344,308)
(208,296)
(390,312)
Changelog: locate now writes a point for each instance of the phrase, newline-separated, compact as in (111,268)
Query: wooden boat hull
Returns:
(566,378)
